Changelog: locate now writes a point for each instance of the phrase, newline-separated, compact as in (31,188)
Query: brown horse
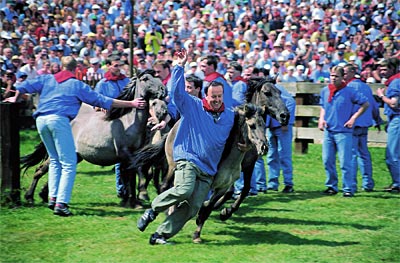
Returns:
(108,139)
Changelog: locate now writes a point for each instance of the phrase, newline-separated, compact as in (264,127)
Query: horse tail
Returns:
(149,154)
(39,155)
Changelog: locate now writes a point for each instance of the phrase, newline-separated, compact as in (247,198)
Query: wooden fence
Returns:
(307,115)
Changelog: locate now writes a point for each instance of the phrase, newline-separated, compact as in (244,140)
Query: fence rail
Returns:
(307,114)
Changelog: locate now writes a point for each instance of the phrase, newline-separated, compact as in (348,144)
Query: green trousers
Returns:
(191,187)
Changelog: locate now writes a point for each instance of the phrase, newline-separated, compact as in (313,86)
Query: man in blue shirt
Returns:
(61,96)
(337,120)
(361,155)
(390,69)
(111,86)
(197,149)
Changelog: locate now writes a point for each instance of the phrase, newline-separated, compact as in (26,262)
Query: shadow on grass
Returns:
(244,236)
(107,172)
(249,220)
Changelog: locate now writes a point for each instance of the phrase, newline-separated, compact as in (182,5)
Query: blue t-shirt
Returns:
(340,109)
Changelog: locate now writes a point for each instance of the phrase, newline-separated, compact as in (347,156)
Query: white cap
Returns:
(321,49)
(300,67)
(267,66)
(352,58)
(63,37)
(341,46)
(290,68)
(193,64)
(280,59)
(371,80)
(95,6)
(43,39)
(285,28)
(94,60)
(242,45)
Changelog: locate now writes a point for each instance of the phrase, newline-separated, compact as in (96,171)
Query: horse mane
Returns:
(231,138)
(128,93)
(255,84)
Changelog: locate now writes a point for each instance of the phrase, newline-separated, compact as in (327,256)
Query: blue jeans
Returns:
(279,156)
(342,144)
(240,183)
(56,134)
(259,175)
(393,150)
(362,157)
(119,185)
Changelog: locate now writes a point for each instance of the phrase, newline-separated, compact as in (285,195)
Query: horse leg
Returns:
(247,169)
(144,179)
(203,215)
(40,171)
(133,201)
(44,192)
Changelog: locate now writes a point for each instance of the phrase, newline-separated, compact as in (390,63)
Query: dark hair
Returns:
(236,66)
(211,60)
(213,84)
(198,83)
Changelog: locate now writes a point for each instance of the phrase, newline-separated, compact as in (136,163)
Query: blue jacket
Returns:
(111,89)
(393,90)
(239,89)
(63,99)
(372,112)
(200,138)
(340,109)
(290,105)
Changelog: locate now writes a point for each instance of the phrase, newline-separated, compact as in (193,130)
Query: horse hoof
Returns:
(44,196)
(224,215)
(138,206)
(144,197)
(197,240)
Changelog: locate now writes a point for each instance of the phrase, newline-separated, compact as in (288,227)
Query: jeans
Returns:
(342,144)
(393,150)
(56,134)
(259,175)
(119,185)
(239,183)
(190,189)
(362,158)
(279,156)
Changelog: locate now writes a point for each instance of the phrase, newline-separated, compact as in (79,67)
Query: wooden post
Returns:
(9,155)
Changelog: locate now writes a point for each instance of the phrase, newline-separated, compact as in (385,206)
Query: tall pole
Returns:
(131,39)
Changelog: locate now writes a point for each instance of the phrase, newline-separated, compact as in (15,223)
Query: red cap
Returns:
(201,44)
(230,34)
(296,14)
(277,13)
(218,37)
(295,35)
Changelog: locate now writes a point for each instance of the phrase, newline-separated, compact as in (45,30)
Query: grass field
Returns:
(301,227)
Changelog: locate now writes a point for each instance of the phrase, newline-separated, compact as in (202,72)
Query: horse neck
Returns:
(238,134)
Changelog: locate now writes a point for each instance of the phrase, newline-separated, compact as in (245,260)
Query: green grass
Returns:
(301,227)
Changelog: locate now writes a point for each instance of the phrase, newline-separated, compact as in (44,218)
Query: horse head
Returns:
(158,109)
(262,92)
(150,86)
(252,126)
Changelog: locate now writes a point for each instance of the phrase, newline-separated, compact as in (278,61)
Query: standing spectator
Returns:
(195,169)
(389,69)
(30,67)
(95,72)
(54,129)
(279,156)
(337,121)
(361,155)
(111,86)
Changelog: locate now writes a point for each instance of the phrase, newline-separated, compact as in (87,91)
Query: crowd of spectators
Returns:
(300,40)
